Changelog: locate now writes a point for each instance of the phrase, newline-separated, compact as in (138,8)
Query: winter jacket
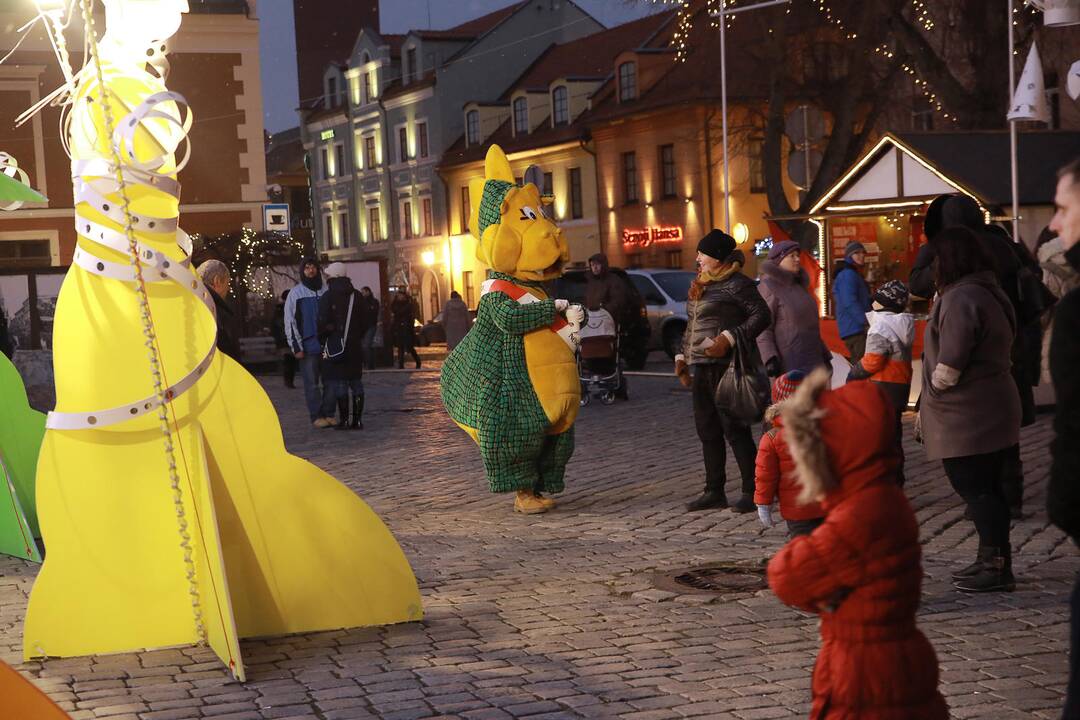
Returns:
(967,341)
(888,349)
(335,325)
(731,303)
(610,292)
(228,327)
(851,300)
(774,474)
(403,321)
(456,321)
(794,335)
(1063,493)
(369,306)
(860,571)
(302,319)
(1059,278)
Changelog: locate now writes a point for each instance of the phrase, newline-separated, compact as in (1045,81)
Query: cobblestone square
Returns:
(557,615)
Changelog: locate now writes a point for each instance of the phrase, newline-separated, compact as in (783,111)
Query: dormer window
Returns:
(411,69)
(472,127)
(627,82)
(560,109)
(521,116)
(331,92)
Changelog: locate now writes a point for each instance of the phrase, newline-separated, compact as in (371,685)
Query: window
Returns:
(331,92)
(343,228)
(560,112)
(549,184)
(467,282)
(756,162)
(674,259)
(627,82)
(1053,99)
(369,151)
(429,223)
(629,168)
(521,116)
(374,225)
(576,211)
(25,253)
(411,70)
(403,144)
(421,138)
(667,170)
(472,128)
(464,209)
(339,159)
(366,84)
(324,154)
(406,220)
(329,240)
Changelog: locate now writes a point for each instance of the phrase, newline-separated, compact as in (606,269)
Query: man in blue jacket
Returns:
(302,334)
(851,300)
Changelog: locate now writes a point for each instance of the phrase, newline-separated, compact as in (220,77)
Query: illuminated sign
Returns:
(654,235)
(327,134)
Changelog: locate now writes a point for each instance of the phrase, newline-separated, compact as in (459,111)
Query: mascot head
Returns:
(515,236)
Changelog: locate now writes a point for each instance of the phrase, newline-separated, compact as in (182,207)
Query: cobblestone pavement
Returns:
(556,616)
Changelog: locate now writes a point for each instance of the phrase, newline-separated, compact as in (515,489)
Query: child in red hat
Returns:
(774,474)
(861,570)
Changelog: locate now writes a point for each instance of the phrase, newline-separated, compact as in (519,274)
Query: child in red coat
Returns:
(861,569)
(774,473)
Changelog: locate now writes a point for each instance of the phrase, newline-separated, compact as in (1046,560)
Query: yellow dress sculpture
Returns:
(227,535)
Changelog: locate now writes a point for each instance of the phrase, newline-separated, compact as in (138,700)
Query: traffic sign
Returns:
(276,217)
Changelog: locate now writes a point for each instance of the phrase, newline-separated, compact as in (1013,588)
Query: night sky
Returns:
(397,16)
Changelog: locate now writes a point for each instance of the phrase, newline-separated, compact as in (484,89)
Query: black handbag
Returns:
(743,391)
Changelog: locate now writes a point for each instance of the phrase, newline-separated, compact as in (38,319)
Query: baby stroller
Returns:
(599,368)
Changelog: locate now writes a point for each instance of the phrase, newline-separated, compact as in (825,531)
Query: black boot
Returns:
(711,498)
(984,555)
(744,504)
(357,411)
(343,412)
(995,575)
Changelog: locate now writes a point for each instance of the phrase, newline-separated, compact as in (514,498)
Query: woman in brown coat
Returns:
(970,409)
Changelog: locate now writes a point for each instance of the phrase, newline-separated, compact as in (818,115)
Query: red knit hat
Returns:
(786,385)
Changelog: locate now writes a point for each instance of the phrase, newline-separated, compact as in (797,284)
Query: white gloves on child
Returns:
(575,315)
(764,513)
(561,305)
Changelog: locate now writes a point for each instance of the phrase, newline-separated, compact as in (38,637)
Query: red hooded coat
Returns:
(860,570)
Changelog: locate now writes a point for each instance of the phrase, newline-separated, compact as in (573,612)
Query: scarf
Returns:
(704,279)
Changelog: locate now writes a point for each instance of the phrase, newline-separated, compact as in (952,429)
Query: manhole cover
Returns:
(716,579)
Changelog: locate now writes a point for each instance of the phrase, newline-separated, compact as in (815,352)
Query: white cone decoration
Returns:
(1073,81)
(1029,102)
(1058,13)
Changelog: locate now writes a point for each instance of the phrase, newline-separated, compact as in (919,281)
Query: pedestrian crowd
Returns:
(1001,319)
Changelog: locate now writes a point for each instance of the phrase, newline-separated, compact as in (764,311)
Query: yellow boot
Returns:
(528,504)
(548,502)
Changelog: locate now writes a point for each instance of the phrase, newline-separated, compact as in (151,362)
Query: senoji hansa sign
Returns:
(653,235)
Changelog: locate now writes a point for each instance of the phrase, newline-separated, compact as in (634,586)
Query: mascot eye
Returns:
(527,213)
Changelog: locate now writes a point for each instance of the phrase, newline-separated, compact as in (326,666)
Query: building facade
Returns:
(214,63)
(390,113)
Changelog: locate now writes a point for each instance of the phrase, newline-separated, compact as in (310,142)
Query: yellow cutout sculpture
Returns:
(252,541)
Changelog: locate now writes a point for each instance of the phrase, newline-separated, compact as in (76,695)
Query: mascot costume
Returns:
(512,383)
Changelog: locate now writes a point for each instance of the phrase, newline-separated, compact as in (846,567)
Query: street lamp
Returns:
(723,13)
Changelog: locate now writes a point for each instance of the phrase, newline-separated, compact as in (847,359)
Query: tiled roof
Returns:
(395,42)
(590,56)
(285,153)
(471,29)
(543,136)
(395,88)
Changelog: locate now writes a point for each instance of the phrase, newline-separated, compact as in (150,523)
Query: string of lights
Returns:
(253,254)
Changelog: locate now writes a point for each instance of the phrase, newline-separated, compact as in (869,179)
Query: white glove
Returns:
(680,358)
(706,343)
(764,513)
(561,305)
(575,315)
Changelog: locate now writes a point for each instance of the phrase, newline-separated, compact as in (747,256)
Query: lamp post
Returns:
(723,94)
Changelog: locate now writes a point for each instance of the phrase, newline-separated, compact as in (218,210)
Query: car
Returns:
(634,340)
(664,291)
(433,331)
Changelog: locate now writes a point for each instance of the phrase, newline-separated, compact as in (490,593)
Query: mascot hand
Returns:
(575,315)
(561,305)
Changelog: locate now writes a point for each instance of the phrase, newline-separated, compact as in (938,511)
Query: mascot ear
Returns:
(496,166)
(502,246)
(476,192)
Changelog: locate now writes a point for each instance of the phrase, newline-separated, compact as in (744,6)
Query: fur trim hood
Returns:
(841,440)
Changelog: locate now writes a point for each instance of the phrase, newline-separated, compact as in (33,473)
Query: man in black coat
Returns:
(215,275)
(1063,492)
(369,305)
(341,329)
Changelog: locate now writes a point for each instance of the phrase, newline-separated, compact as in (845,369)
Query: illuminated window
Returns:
(403,144)
(339,159)
(422,139)
(576,210)
(629,168)
(472,127)
(560,110)
(429,223)
(465,209)
(627,82)
(521,116)
(406,220)
(667,170)
(369,151)
(374,225)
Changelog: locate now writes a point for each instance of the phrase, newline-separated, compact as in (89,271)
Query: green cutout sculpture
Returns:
(21,431)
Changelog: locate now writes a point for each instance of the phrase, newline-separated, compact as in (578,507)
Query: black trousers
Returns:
(1072,694)
(714,428)
(978,480)
(406,348)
